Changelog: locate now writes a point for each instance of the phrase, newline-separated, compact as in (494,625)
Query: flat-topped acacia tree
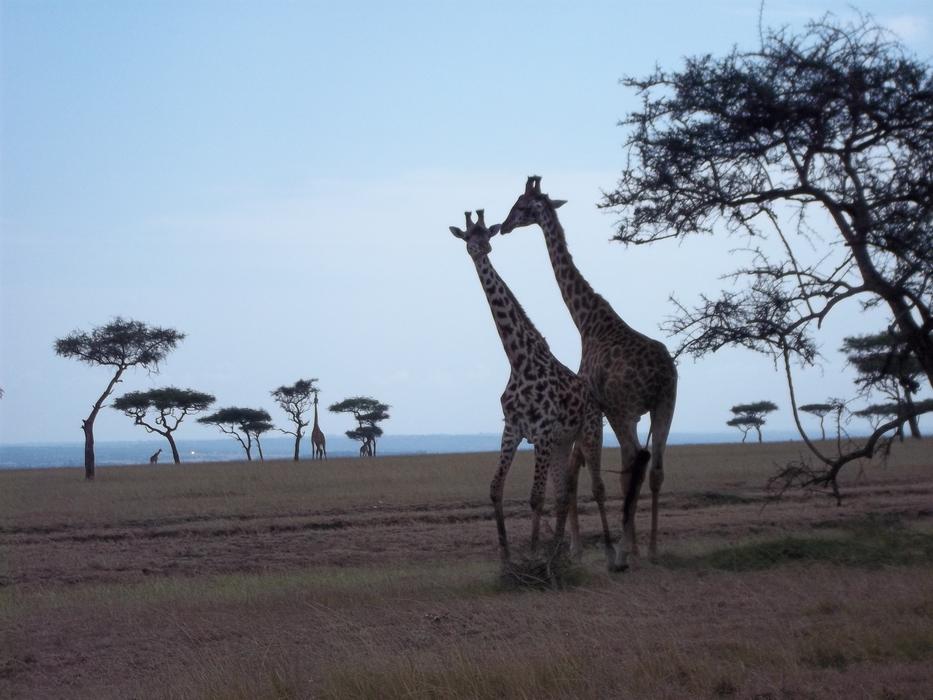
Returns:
(820,410)
(751,415)
(243,424)
(368,413)
(120,344)
(170,405)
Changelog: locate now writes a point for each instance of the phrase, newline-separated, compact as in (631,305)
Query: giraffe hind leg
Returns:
(538,491)
(591,441)
(660,428)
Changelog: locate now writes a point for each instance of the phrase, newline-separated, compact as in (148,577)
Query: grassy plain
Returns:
(378,578)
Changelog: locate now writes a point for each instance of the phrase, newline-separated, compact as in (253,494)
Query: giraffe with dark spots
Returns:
(627,373)
(544,402)
(318,441)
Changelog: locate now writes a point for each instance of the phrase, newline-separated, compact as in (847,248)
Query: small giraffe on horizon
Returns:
(544,402)
(155,457)
(318,441)
(628,374)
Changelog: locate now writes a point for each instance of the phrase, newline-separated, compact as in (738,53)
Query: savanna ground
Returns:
(378,578)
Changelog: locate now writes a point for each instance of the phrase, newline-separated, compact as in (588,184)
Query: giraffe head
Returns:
(529,206)
(476,234)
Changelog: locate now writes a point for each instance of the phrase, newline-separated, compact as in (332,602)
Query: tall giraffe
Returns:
(543,402)
(318,441)
(628,374)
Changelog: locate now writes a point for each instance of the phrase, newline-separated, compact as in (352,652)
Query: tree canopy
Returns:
(120,344)
(170,405)
(817,148)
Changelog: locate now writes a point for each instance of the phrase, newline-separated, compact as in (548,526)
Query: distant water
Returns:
(71,454)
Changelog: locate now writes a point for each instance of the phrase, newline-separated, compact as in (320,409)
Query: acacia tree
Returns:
(820,410)
(119,345)
(885,364)
(296,400)
(751,415)
(368,412)
(817,141)
(243,424)
(170,404)
(746,423)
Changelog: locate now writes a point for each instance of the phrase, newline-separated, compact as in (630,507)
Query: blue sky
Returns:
(276,180)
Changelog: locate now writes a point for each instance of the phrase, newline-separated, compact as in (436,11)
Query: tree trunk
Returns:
(297,445)
(758,430)
(171,441)
(259,447)
(913,420)
(88,428)
(822,429)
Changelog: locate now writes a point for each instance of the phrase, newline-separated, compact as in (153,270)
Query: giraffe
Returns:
(318,441)
(155,457)
(628,374)
(543,402)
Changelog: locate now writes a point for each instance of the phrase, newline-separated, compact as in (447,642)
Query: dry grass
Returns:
(379,579)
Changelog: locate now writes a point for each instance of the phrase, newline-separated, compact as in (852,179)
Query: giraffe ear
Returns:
(558,203)
(494,229)
(457,232)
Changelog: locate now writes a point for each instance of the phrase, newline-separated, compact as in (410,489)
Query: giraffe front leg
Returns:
(510,440)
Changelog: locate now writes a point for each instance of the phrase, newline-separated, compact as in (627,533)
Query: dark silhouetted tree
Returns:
(119,345)
(831,127)
(751,415)
(819,410)
(368,413)
(169,404)
(879,413)
(746,423)
(886,365)
(296,400)
(244,424)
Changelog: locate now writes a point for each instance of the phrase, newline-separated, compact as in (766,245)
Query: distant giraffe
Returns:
(628,373)
(543,402)
(155,458)
(366,449)
(318,441)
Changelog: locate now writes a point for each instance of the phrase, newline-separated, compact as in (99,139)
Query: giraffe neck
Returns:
(585,305)
(520,339)
(315,416)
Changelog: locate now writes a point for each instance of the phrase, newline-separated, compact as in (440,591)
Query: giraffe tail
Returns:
(634,484)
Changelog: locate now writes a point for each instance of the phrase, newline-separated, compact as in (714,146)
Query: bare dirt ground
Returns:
(378,578)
